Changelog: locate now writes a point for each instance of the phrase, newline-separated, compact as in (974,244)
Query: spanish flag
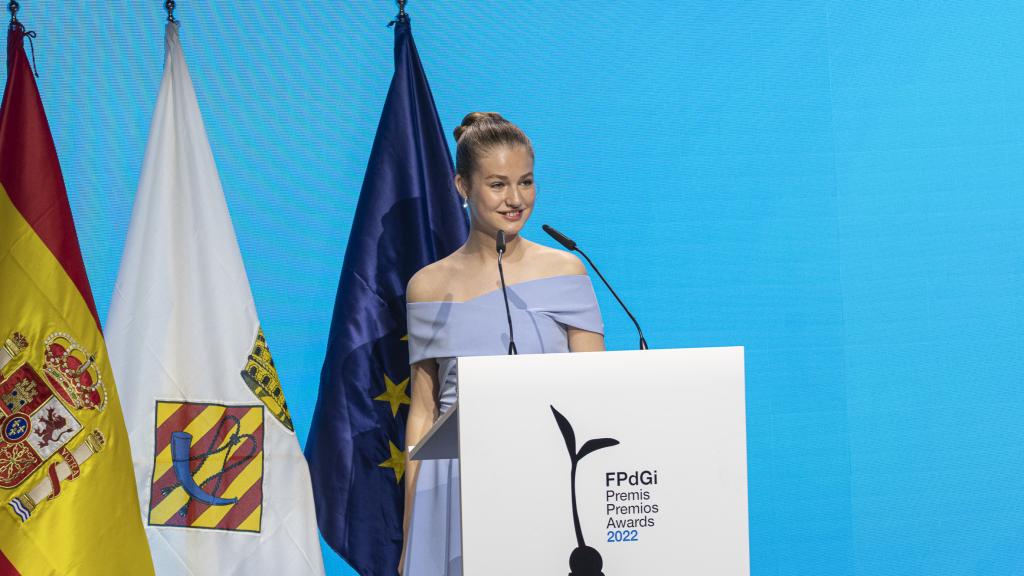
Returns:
(67,486)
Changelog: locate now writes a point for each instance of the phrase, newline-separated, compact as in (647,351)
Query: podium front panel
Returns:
(664,493)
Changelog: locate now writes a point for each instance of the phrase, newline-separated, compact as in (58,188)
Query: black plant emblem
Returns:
(584,560)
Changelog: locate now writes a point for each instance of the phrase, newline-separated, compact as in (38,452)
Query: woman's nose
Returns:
(513,197)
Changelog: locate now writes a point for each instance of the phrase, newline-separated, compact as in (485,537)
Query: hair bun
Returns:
(477,118)
(480,133)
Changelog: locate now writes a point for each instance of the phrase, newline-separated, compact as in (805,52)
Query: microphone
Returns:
(500,246)
(570,245)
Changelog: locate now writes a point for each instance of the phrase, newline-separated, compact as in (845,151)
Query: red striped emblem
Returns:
(220,483)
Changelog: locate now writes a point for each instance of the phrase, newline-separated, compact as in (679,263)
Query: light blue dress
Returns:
(542,311)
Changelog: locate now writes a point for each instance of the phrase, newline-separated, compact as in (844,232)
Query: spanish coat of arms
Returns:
(40,411)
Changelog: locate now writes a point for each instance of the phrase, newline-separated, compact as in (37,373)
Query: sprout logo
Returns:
(584,560)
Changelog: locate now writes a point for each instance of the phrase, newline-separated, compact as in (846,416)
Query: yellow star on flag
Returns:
(394,394)
(396,462)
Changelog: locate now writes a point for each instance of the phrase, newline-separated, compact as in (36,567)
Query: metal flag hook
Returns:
(13,6)
(169,5)
(402,16)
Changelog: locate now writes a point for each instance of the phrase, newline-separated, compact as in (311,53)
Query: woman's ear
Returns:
(460,186)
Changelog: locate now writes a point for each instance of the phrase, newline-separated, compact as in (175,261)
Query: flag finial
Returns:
(169,5)
(401,9)
(13,6)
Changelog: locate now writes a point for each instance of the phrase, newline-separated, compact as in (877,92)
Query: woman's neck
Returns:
(484,246)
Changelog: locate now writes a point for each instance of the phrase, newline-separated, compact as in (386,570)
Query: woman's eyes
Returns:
(497,185)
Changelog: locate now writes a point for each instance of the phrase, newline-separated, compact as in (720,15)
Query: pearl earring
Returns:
(465,202)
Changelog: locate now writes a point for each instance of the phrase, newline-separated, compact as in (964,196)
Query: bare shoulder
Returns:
(431,283)
(554,262)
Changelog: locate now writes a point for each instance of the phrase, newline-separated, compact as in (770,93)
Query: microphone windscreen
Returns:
(500,245)
(559,237)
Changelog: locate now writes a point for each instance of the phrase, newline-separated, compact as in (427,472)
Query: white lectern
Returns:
(658,438)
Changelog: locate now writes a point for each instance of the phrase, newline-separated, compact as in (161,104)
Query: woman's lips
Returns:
(512,215)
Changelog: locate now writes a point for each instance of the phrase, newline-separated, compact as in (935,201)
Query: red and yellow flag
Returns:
(68,502)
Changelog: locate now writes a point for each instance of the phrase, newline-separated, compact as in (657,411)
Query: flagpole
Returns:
(169,5)
(13,8)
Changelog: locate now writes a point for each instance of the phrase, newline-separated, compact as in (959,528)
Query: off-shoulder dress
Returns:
(542,312)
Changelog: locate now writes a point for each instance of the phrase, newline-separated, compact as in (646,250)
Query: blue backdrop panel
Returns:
(928,124)
(834,185)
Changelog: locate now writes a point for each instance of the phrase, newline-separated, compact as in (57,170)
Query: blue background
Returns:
(834,185)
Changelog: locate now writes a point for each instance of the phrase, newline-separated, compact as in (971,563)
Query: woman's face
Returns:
(501,191)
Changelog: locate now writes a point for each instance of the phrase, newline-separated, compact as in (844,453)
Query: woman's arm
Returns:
(584,341)
(423,411)
(551,262)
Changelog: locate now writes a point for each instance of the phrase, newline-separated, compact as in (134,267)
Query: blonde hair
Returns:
(481,132)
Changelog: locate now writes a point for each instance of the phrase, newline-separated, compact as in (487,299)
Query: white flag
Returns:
(223,485)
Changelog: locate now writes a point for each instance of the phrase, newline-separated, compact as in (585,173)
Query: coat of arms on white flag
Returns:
(223,485)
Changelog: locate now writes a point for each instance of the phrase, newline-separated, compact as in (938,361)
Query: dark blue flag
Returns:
(408,216)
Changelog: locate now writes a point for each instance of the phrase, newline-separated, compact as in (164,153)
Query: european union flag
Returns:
(408,216)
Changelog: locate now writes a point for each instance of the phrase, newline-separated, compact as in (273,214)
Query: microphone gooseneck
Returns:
(500,246)
(571,246)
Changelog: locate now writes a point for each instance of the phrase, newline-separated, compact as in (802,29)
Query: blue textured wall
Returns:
(834,185)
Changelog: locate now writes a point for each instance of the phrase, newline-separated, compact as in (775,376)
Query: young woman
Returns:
(456,308)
